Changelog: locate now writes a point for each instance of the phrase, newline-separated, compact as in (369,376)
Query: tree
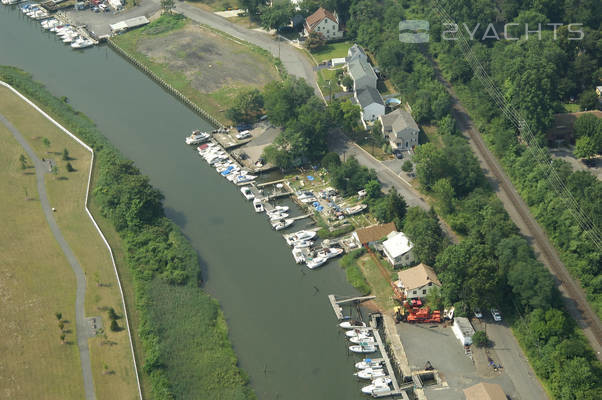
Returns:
(277,15)
(447,125)
(585,147)
(315,41)
(55,170)
(247,107)
(588,125)
(407,166)
(348,83)
(588,100)
(331,161)
(251,6)
(282,100)
(62,338)
(61,325)
(46,142)
(425,233)
(351,116)
(69,167)
(167,6)
(114,326)
(373,189)
(66,154)
(480,339)
(58,315)
(112,314)
(444,192)
(434,299)
(23,161)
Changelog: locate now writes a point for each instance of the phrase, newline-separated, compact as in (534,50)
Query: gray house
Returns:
(371,102)
(401,129)
(356,51)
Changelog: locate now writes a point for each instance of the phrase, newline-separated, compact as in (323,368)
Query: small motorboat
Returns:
(282,208)
(329,252)
(378,386)
(303,244)
(197,137)
(357,332)
(258,206)
(298,255)
(276,216)
(82,43)
(365,340)
(244,178)
(299,236)
(246,191)
(368,363)
(370,373)
(352,324)
(282,224)
(355,209)
(358,348)
(316,262)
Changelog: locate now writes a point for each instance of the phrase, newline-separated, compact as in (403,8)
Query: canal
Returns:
(280,321)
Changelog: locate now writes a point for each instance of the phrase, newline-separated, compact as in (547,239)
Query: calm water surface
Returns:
(280,321)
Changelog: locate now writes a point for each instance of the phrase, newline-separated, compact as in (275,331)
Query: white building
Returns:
(398,249)
(401,130)
(417,282)
(324,22)
(463,330)
(371,103)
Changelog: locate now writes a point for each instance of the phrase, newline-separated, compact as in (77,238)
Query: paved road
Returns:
(572,294)
(80,323)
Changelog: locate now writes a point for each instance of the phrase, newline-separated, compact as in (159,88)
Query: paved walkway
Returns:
(80,322)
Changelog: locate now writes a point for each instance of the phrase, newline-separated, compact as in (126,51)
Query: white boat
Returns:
(316,262)
(378,386)
(357,332)
(276,216)
(355,209)
(197,137)
(329,252)
(244,178)
(368,363)
(306,200)
(69,38)
(82,43)
(370,373)
(246,191)
(364,340)
(298,255)
(302,244)
(280,225)
(282,208)
(358,348)
(258,206)
(351,324)
(298,236)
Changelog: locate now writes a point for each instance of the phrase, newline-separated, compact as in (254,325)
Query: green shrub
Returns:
(480,339)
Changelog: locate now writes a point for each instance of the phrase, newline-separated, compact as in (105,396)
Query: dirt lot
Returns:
(209,61)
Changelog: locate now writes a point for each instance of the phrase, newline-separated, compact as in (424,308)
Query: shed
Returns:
(463,330)
(338,61)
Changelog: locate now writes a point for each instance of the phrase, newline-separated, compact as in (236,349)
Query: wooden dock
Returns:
(336,304)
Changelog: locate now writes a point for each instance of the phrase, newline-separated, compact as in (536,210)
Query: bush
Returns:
(69,167)
(480,339)
(114,326)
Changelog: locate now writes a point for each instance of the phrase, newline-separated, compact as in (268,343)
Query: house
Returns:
(371,102)
(463,330)
(417,281)
(485,391)
(401,129)
(372,234)
(324,22)
(362,73)
(355,52)
(398,249)
(599,91)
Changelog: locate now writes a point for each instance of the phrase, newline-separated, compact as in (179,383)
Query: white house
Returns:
(401,129)
(324,22)
(371,102)
(417,282)
(463,330)
(398,249)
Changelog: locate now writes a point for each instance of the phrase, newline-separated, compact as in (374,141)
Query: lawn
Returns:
(208,67)
(326,75)
(381,288)
(571,108)
(66,192)
(35,282)
(332,50)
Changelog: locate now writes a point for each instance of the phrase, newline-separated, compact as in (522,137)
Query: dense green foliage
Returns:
(424,231)
(350,177)
(480,339)
(353,272)
(247,107)
(165,23)
(165,269)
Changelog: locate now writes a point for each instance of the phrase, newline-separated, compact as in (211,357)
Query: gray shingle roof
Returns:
(359,68)
(398,120)
(368,96)
(355,51)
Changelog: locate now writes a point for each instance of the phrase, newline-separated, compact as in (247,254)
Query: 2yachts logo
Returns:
(418,31)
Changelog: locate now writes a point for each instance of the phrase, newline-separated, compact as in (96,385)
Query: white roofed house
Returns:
(398,249)
(324,22)
(418,281)
(401,129)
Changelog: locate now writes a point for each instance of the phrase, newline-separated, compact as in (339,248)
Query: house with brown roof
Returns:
(324,22)
(418,281)
(485,391)
(372,234)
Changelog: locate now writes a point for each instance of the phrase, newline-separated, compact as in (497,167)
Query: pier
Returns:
(336,304)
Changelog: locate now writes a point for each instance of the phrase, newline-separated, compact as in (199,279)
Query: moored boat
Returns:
(258,206)
(352,324)
(359,348)
(365,340)
(316,262)
(378,386)
(357,332)
(355,209)
(368,363)
(299,255)
(282,224)
(197,137)
(370,373)
(299,236)
(246,191)
(329,252)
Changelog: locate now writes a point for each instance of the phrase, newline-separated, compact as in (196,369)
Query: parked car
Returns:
(398,154)
(496,315)
(478,313)
(103,7)
(243,135)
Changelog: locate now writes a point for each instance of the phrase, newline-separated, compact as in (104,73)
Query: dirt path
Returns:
(80,321)
(573,296)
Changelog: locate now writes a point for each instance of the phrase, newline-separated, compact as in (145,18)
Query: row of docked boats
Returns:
(363,342)
(35,11)
(223,164)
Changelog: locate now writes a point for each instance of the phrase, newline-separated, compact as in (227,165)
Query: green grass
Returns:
(332,50)
(571,108)
(356,278)
(381,287)
(325,75)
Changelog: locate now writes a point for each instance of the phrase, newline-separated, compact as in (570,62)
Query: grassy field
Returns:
(207,67)
(332,50)
(111,357)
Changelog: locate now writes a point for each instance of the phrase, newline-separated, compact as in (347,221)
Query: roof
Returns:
(398,120)
(355,51)
(374,232)
(318,16)
(369,96)
(418,276)
(464,326)
(485,391)
(360,68)
(129,23)
(397,245)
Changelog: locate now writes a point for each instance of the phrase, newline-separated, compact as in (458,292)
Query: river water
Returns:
(281,324)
